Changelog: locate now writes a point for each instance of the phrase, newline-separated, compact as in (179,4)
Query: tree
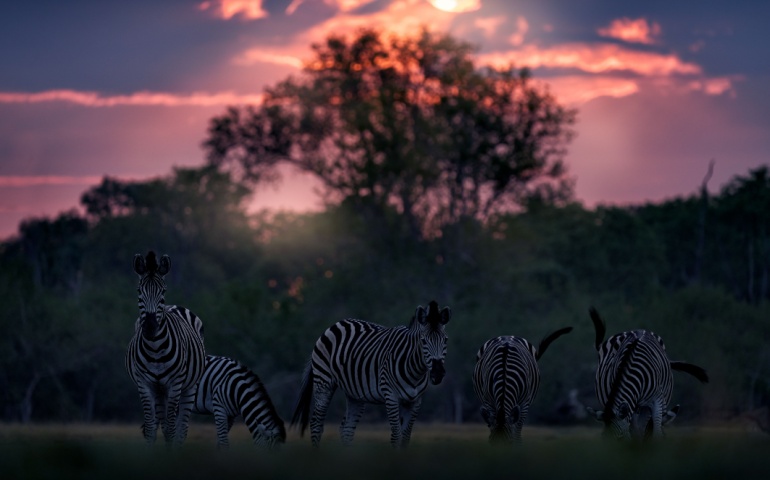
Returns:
(404,123)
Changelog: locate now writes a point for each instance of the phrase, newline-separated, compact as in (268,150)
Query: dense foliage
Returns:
(268,284)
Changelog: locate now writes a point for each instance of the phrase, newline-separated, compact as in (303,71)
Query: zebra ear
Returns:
(597,414)
(165,265)
(139,266)
(421,315)
(445,315)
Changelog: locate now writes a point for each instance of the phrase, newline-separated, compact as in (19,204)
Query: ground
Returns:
(437,452)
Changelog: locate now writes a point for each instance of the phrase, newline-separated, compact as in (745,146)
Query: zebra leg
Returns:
(355,409)
(150,425)
(392,405)
(409,413)
(223,424)
(171,410)
(322,393)
(183,418)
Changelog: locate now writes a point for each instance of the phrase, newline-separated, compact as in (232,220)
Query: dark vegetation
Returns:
(443,182)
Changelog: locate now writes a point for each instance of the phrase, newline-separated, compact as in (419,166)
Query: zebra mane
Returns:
(433,316)
(151,263)
(621,371)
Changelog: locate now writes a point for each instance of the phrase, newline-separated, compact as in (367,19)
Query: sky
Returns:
(126,89)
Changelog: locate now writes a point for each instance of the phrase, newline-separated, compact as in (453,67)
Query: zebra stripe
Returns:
(228,390)
(165,357)
(374,364)
(506,380)
(634,382)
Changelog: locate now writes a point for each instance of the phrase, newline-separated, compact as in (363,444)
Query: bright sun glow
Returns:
(456,5)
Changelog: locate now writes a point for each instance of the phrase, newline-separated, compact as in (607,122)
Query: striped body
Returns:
(506,380)
(374,364)
(634,382)
(228,390)
(166,355)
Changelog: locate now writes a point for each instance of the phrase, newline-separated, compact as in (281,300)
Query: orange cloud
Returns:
(575,89)
(401,17)
(593,59)
(632,31)
(227,9)
(94,99)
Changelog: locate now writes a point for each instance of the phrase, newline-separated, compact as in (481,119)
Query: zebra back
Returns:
(228,387)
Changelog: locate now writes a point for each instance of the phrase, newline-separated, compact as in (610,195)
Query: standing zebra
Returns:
(634,382)
(506,379)
(165,357)
(227,390)
(374,364)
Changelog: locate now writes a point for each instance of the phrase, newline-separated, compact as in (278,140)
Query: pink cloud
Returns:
(575,89)
(94,99)
(342,5)
(522,26)
(632,31)
(35,180)
(593,59)
(227,9)
(489,25)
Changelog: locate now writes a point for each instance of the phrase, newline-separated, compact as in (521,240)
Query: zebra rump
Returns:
(634,382)
(506,379)
(227,390)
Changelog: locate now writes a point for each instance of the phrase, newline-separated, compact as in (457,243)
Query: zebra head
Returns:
(505,424)
(433,338)
(151,290)
(617,421)
(270,437)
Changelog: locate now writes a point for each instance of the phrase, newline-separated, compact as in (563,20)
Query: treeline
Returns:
(693,269)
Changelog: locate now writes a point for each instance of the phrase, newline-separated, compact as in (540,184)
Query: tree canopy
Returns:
(409,123)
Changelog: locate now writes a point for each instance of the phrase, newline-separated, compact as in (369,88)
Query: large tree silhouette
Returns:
(405,124)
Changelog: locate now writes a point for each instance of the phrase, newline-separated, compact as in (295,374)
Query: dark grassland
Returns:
(437,452)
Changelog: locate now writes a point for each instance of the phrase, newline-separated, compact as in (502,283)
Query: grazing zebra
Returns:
(165,357)
(227,390)
(374,364)
(506,379)
(634,382)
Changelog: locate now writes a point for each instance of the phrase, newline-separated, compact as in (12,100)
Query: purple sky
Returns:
(127,88)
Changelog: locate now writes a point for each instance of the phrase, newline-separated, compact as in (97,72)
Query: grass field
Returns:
(437,452)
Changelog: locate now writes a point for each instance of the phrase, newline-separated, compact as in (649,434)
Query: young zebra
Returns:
(374,364)
(228,390)
(165,357)
(634,382)
(506,379)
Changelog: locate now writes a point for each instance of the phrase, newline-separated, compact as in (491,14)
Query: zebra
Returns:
(634,382)
(506,380)
(227,390)
(166,355)
(374,364)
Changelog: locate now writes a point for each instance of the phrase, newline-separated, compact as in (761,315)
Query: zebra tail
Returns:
(549,339)
(599,325)
(302,410)
(694,370)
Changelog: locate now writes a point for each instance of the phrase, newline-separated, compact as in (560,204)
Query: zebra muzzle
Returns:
(437,372)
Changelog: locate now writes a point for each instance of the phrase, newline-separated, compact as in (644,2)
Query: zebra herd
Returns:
(370,363)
